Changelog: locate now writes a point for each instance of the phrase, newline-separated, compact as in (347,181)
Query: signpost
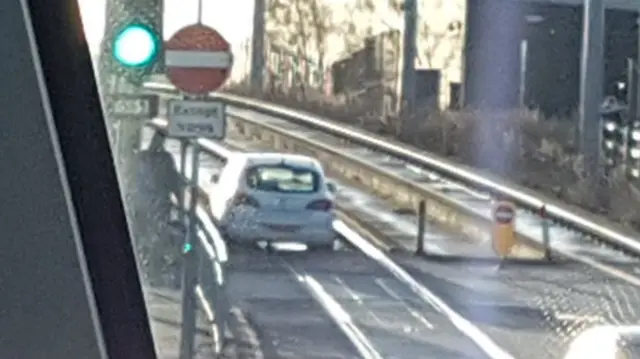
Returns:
(198,60)
(503,235)
(127,108)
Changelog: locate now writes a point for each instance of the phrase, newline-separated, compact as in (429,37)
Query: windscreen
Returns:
(283,179)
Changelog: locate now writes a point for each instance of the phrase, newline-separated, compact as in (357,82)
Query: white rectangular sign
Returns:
(135,106)
(197,118)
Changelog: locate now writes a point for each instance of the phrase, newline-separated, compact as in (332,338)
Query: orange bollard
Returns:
(503,234)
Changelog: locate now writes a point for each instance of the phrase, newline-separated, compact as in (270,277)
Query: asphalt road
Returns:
(294,322)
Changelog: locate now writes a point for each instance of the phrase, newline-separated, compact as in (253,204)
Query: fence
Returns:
(205,257)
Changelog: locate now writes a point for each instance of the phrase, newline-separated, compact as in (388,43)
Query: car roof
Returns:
(258,158)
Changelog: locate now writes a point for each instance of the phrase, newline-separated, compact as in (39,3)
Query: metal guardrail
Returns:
(572,217)
(204,273)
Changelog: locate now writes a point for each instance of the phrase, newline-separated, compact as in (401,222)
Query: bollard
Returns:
(190,274)
(545,233)
(503,234)
(421,224)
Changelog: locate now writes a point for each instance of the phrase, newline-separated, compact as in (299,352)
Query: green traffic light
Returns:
(187,248)
(136,46)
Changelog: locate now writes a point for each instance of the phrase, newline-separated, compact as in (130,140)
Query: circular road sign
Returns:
(504,213)
(198,59)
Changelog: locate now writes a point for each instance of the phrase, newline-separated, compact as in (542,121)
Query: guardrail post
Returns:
(190,274)
(422,209)
(545,233)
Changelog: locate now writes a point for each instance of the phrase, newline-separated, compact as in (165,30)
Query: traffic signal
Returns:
(633,151)
(132,45)
(135,48)
(613,135)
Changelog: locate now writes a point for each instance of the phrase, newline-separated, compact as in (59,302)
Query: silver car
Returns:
(274,197)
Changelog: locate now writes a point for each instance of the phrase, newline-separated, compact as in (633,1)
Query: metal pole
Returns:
(637,70)
(199,11)
(190,274)
(409,55)
(632,89)
(632,108)
(591,83)
(257,46)
(183,175)
(546,239)
(524,49)
(421,224)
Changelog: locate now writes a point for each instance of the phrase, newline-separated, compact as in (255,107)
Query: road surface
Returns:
(532,311)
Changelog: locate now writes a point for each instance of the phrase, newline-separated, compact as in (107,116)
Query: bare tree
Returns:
(352,30)
(437,49)
(301,28)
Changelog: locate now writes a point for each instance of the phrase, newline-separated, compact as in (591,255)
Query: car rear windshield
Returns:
(283,179)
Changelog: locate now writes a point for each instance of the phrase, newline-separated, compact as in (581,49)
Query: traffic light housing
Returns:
(633,151)
(612,120)
(132,45)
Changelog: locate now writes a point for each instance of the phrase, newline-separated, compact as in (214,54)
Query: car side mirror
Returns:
(215,178)
(332,187)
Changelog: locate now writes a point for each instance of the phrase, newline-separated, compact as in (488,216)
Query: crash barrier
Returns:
(204,273)
(439,208)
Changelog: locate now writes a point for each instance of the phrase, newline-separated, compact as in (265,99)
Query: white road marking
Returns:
(577,317)
(356,298)
(481,339)
(337,313)
(421,318)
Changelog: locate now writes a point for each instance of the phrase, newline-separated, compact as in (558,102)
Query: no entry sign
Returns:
(504,213)
(198,59)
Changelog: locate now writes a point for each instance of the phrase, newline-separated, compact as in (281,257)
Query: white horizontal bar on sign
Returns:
(198,59)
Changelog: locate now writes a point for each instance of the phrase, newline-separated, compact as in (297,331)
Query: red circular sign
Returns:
(198,59)
(504,213)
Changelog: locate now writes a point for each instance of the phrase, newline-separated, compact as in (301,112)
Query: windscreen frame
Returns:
(69,78)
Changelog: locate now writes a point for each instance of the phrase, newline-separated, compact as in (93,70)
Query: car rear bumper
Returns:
(249,226)
(306,234)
